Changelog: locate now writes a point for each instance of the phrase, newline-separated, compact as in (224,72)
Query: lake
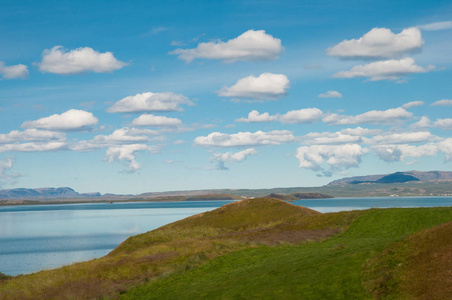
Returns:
(37,237)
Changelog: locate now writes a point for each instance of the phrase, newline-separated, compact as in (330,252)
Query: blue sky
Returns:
(148,96)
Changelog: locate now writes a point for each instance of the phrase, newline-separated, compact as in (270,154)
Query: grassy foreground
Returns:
(253,249)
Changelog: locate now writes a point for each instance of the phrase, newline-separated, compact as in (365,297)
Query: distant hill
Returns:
(298,196)
(61,192)
(398,177)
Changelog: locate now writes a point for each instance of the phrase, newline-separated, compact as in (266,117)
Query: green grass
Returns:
(331,269)
(252,249)
(419,266)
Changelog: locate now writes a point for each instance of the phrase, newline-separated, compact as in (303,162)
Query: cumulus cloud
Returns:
(72,120)
(444,102)
(371,117)
(81,60)
(221,158)
(245,139)
(391,69)
(393,153)
(424,122)
(379,43)
(329,159)
(306,115)
(331,94)
(12,72)
(388,153)
(127,154)
(122,136)
(359,131)
(436,26)
(443,124)
(266,86)
(34,147)
(255,117)
(252,45)
(147,102)
(29,135)
(322,138)
(151,120)
(402,138)
(412,104)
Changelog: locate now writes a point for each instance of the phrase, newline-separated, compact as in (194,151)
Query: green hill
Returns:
(252,249)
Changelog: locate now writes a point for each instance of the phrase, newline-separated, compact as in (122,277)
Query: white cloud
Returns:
(388,153)
(221,158)
(385,70)
(127,154)
(379,43)
(252,45)
(255,117)
(392,153)
(34,147)
(238,156)
(12,72)
(72,120)
(146,102)
(444,102)
(80,60)
(266,86)
(330,158)
(359,131)
(436,26)
(371,117)
(29,135)
(402,138)
(331,94)
(321,138)
(443,123)
(244,139)
(424,122)
(151,120)
(306,115)
(122,136)
(412,104)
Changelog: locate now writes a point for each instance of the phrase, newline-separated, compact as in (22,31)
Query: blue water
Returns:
(38,237)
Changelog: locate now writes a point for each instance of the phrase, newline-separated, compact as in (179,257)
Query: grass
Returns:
(261,248)
(331,269)
(419,266)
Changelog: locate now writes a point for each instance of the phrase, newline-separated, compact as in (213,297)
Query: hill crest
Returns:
(397,177)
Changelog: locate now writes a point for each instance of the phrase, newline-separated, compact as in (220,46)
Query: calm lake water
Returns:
(37,237)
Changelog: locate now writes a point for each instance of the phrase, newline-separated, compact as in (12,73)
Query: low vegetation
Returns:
(255,248)
(419,266)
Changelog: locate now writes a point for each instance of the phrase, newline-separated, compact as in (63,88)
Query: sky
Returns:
(150,96)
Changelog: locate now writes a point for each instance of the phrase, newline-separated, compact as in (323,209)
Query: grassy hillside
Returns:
(419,266)
(256,248)
(331,269)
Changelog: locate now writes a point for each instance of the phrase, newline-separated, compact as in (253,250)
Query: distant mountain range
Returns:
(415,183)
(61,192)
(398,177)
